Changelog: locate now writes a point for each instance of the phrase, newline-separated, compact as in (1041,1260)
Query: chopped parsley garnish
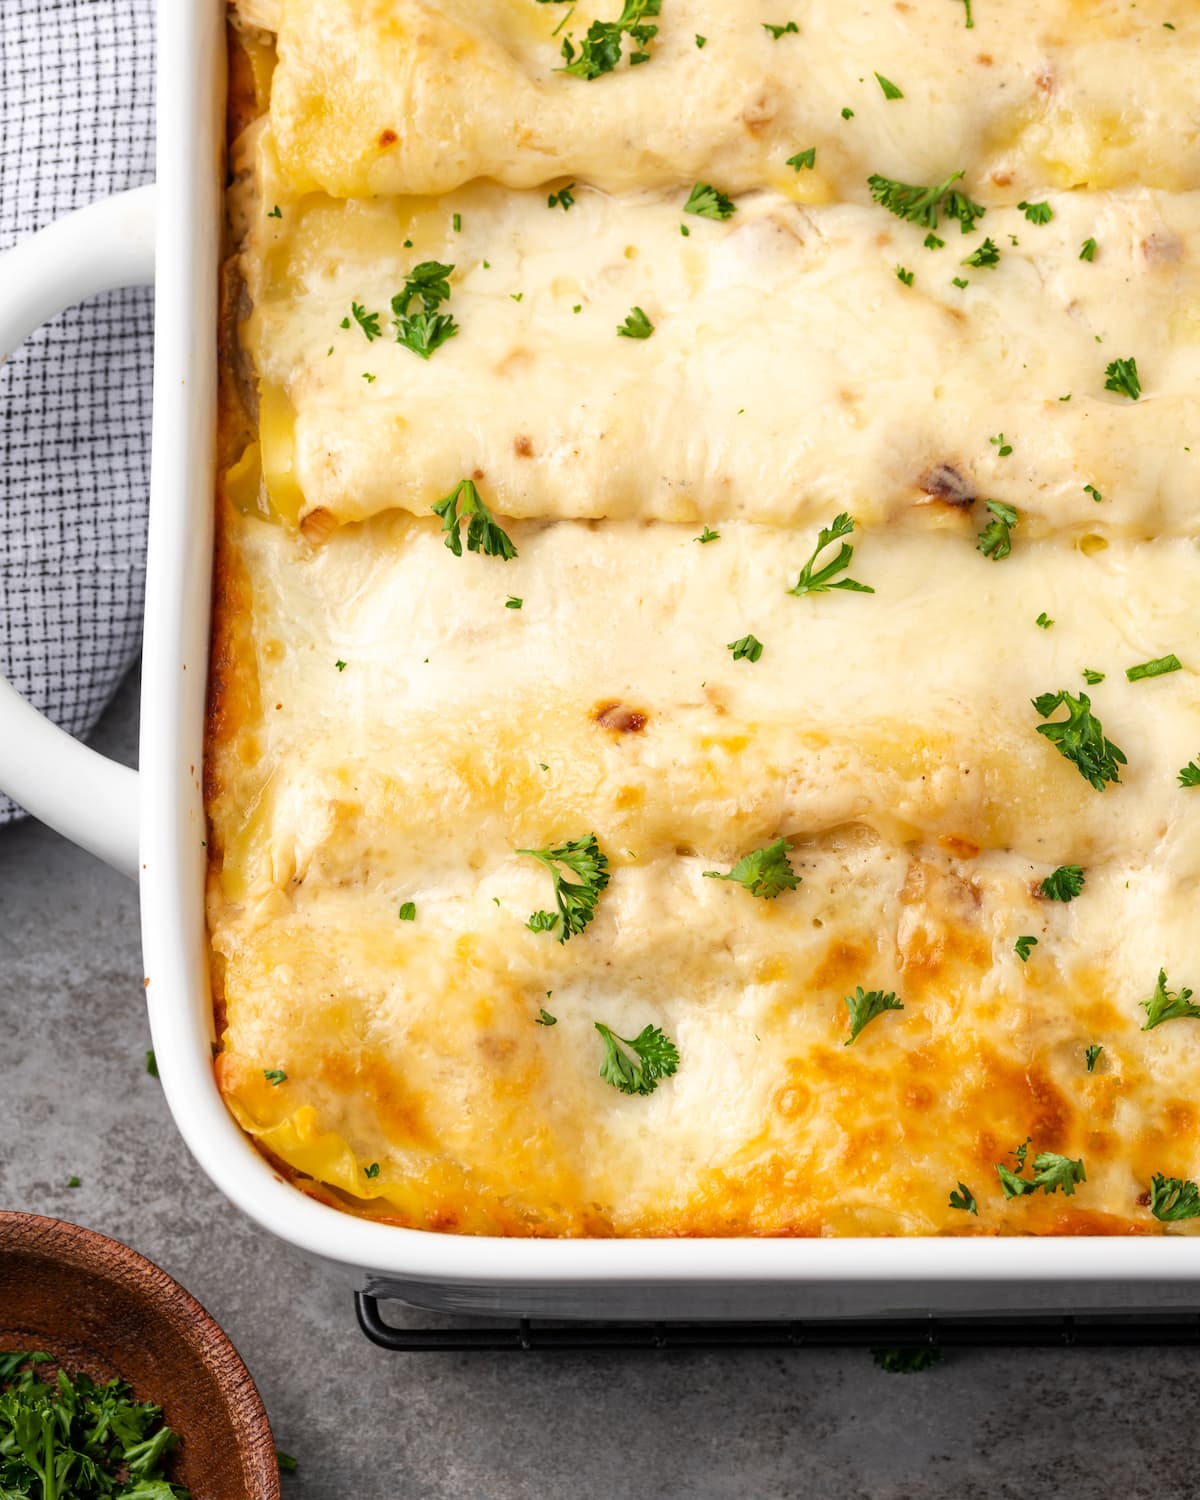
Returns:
(847,112)
(575,899)
(701,41)
(408,912)
(456,222)
(636,326)
(542,921)
(368,322)
(932,242)
(483,535)
(1168,1005)
(959,282)
(276,213)
(985,255)
(635,1065)
(151,1064)
(544,1018)
(864,1006)
(904,275)
(748,648)
(995,540)
(1173,1199)
(1024,946)
(1050,1172)
(1092,677)
(1122,377)
(372,1172)
(341,665)
(970,18)
(803,159)
(1090,489)
(1190,774)
(890,91)
(708,202)
(707,535)
(1063,884)
(512,602)
(274,1076)
(287,1464)
(819,582)
(923,205)
(1043,621)
(1080,737)
(563,199)
(1160,667)
(764,872)
(370,379)
(1092,1054)
(789,28)
(1002,448)
(427,330)
(68,1438)
(600,50)
(74,1182)
(1036,213)
(1088,250)
(964,1199)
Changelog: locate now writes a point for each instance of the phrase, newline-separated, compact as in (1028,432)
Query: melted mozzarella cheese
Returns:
(790,369)
(404,96)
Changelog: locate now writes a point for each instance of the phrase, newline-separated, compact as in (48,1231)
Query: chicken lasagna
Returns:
(704,728)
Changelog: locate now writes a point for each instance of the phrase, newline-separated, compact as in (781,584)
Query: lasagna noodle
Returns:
(421,96)
(414,1045)
(768,389)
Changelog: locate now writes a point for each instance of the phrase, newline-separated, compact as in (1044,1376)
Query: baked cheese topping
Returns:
(708,742)
(421,96)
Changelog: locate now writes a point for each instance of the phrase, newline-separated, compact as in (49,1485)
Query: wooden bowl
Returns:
(100,1308)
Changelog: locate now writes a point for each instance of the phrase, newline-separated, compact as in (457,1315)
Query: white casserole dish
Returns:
(151,826)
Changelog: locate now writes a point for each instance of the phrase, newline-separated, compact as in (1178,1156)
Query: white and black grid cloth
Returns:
(76,124)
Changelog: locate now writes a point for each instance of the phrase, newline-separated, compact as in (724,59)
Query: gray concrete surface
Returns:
(75,1100)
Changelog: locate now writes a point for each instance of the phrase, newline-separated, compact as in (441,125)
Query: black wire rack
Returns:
(935,1332)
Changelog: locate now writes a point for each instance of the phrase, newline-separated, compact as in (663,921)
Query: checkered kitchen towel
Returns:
(76,124)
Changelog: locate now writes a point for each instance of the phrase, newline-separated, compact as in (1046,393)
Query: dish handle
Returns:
(90,799)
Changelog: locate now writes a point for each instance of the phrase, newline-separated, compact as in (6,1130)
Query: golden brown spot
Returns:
(387,138)
(444,1220)
(1162,249)
(984,59)
(1045,81)
(960,848)
(1002,179)
(757,116)
(1181,1117)
(477,475)
(945,483)
(630,796)
(620,717)
(842,965)
(918,1097)
(497,1049)
(318,526)
(522,447)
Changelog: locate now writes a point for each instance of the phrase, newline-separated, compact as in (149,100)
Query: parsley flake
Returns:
(1036,213)
(600,51)
(803,159)
(1063,884)
(1190,774)
(1168,1005)
(819,582)
(576,899)
(1160,667)
(563,199)
(372,1172)
(425,331)
(1024,946)
(764,872)
(964,1199)
(864,1006)
(1080,737)
(890,91)
(789,28)
(748,648)
(1043,621)
(923,205)
(904,275)
(368,322)
(1092,677)
(483,534)
(1090,489)
(1091,1055)
(408,912)
(274,1076)
(636,1065)
(995,540)
(544,1018)
(1173,1199)
(513,602)
(986,255)
(636,326)
(708,202)
(1002,448)
(707,535)
(1122,377)
(1088,250)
